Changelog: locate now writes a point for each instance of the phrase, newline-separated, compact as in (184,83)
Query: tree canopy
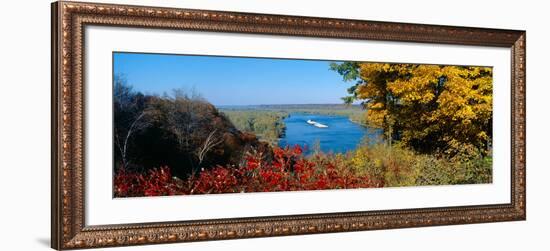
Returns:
(430,108)
(181,130)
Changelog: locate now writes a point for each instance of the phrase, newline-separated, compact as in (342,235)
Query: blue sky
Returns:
(233,80)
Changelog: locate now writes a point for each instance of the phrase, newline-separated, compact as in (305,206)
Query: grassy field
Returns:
(265,124)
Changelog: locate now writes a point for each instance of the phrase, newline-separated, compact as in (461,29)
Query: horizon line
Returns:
(288,104)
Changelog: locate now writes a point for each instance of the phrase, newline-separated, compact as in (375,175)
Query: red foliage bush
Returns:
(288,171)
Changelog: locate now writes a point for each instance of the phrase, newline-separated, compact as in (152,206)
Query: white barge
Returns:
(316,124)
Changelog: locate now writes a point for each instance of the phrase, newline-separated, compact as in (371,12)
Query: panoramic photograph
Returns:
(191,125)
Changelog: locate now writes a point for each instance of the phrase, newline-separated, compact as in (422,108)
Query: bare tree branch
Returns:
(210,142)
(136,125)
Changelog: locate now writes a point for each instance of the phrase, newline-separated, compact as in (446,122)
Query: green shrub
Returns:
(398,166)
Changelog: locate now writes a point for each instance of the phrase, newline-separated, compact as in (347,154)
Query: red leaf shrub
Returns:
(289,170)
(155,182)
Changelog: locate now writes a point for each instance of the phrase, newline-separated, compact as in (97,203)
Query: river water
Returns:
(341,136)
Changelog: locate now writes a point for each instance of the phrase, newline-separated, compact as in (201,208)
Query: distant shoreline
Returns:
(287,106)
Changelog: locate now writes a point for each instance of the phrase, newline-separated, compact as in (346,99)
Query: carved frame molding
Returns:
(68,225)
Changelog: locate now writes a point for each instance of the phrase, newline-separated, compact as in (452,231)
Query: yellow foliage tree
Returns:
(431,108)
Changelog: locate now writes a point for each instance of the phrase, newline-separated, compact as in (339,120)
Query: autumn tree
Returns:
(430,108)
(195,124)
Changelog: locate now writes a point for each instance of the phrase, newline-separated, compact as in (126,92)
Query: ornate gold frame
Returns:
(68,228)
